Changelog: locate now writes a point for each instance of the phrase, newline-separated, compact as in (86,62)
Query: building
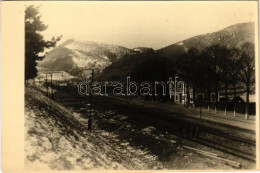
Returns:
(178,93)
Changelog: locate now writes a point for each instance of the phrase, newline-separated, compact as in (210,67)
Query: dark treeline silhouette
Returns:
(219,67)
(215,68)
(155,68)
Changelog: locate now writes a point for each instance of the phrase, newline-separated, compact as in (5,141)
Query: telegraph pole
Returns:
(47,84)
(91,100)
(184,94)
(200,106)
(52,93)
(51,88)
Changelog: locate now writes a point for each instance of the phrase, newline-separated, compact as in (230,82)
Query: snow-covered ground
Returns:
(50,144)
(56,138)
(82,60)
(86,54)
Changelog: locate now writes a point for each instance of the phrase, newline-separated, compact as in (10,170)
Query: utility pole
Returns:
(200,109)
(51,88)
(200,99)
(131,73)
(91,100)
(52,93)
(184,94)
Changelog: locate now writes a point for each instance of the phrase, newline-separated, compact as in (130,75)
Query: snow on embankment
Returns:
(56,138)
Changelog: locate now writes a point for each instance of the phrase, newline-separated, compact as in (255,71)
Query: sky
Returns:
(141,24)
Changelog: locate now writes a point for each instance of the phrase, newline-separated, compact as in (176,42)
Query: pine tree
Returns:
(34,41)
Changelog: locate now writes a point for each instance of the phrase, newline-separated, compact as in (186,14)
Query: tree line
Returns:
(214,68)
(219,67)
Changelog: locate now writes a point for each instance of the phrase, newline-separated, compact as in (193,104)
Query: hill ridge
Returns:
(231,36)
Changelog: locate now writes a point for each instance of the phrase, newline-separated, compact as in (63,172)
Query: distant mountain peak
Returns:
(74,53)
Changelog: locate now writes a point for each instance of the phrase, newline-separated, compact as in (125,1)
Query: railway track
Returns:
(237,147)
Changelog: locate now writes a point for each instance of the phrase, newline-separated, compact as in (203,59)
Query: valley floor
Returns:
(57,139)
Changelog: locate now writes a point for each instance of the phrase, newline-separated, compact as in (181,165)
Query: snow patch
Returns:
(51,144)
(180,43)
(148,130)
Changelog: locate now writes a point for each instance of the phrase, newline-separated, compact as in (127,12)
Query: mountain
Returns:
(233,36)
(230,37)
(75,54)
(124,66)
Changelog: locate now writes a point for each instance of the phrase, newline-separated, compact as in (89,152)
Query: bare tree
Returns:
(235,66)
(214,54)
(247,73)
(224,70)
(188,65)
